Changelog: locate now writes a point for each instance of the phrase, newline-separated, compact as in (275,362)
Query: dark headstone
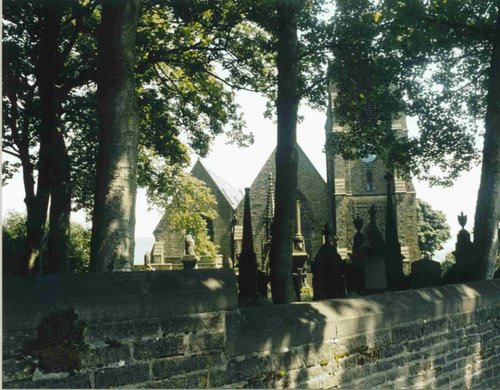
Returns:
(247,278)
(328,273)
(425,273)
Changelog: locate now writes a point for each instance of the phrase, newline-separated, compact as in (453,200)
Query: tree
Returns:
(433,230)
(188,204)
(40,71)
(286,154)
(438,61)
(14,239)
(178,44)
(113,218)
(300,73)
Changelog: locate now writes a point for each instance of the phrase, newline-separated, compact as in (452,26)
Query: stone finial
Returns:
(462,219)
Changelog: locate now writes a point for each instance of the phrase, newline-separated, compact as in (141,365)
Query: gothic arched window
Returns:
(369,180)
(210,228)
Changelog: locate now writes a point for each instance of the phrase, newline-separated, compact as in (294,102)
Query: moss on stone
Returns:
(60,342)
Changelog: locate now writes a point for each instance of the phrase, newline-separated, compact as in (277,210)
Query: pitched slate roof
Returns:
(232,194)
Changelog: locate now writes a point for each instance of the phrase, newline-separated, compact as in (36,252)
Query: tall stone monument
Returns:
(394,259)
(247,278)
(464,252)
(299,254)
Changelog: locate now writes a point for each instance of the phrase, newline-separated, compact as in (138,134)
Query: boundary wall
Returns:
(183,329)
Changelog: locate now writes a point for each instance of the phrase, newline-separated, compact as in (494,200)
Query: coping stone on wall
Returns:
(278,327)
(103,297)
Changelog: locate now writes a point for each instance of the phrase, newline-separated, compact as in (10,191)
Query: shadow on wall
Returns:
(183,329)
(432,337)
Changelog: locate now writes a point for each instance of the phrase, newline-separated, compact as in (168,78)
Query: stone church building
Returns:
(352,187)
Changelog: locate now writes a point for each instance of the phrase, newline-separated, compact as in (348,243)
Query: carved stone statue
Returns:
(189,244)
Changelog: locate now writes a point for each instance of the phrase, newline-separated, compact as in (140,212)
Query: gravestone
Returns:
(425,273)
(374,254)
(328,272)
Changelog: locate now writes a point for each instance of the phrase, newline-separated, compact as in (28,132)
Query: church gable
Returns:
(225,193)
(312,195)
(171,244)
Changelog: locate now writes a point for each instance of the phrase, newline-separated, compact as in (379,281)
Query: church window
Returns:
(369,180)
(210,229)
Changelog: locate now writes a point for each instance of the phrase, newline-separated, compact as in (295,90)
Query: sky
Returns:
(239,167)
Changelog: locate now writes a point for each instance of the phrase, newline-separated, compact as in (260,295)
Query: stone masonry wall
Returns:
(182,329)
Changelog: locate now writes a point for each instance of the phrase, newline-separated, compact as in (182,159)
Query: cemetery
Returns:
(300,280)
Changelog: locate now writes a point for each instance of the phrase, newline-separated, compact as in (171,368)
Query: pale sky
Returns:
(239,167)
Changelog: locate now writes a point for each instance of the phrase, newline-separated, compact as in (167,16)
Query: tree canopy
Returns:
(433,230)
(440,62)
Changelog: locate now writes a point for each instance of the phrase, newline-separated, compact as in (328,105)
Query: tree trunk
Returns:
(60,206)
(50,19)
(113,220)
(487,208)
(286,156)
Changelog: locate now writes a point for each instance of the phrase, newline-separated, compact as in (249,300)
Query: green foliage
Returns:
(433,230)
(79,248)
(426,59)
(448,262)
(188,204)
(14,241)
(182,46)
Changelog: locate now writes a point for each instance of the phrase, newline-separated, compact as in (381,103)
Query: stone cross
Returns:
(374,253)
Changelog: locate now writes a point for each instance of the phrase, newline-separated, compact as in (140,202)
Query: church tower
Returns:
(355,185)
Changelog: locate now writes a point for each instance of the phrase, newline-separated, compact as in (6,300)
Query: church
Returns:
(352,187)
